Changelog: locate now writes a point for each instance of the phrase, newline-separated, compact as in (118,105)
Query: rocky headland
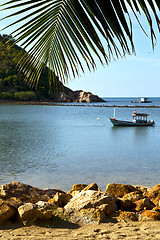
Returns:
(76,96)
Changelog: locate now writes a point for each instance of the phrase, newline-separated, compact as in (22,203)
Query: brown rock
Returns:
(95,214)
(31,213)
(60,199)
(90,207)
(25,193)
(86,215)
(125,204)
(152,214)
(142,189)
(144,204)
(119,190)
(81,96)
(92,186)
(7,212)
(127,216)
(154,194)
(133,196)
(28,213)
(14,202)
(76,189)
(76,96)
(91,199)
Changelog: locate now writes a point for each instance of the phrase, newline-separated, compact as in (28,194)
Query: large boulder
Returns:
(7,212)
(30,213)
(144,204)
(89,199)
(119,190)
(153,214)
(26,193)
(90,206)
(154,195)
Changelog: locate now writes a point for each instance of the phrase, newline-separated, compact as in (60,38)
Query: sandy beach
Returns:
(121,230)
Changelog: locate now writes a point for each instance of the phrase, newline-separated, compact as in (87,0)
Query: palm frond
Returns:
(60,33)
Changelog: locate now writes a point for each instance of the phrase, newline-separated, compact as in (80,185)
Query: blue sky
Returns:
(133,76)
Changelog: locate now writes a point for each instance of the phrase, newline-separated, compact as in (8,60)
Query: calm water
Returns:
(58,146)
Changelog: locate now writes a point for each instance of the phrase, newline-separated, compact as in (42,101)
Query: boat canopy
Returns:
(141,114)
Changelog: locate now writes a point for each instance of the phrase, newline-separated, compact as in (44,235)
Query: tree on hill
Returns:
(63,32)
(12,86)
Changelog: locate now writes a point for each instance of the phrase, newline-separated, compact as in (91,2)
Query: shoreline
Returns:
(49,103)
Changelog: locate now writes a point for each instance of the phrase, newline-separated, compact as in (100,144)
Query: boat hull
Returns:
(130,124)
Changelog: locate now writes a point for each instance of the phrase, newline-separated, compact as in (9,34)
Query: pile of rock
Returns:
(77,96)
(83,204)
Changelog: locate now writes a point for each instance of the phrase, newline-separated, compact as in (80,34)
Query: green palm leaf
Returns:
(60,33)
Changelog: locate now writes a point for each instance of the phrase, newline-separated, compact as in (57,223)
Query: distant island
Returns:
(13,88)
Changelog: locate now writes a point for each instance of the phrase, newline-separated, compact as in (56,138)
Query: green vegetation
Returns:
(12,85)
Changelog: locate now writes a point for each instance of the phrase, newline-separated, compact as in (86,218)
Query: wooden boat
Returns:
(139,119)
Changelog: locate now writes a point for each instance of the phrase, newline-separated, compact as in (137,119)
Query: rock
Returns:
(119,190)
(133,196)
(14,202)
(90,206)
(30,213)
(127,216)
(154,194)
(89,199)
(98,214)
(142,189)
(81,96)
(86,215)
(144,204)
(45,209)
(125,204)
(76,96)
(7,212)
(63,97)
(60,199)
(82,187)
(44,205)
(151,214)
(25,193)
(92,186)
(76,189)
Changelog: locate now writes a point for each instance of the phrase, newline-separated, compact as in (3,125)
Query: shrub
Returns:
(25,96)
(6,96)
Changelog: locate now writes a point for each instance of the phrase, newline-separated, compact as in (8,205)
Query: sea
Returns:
(59,145)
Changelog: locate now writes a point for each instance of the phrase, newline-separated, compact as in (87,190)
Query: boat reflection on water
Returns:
(139,119)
